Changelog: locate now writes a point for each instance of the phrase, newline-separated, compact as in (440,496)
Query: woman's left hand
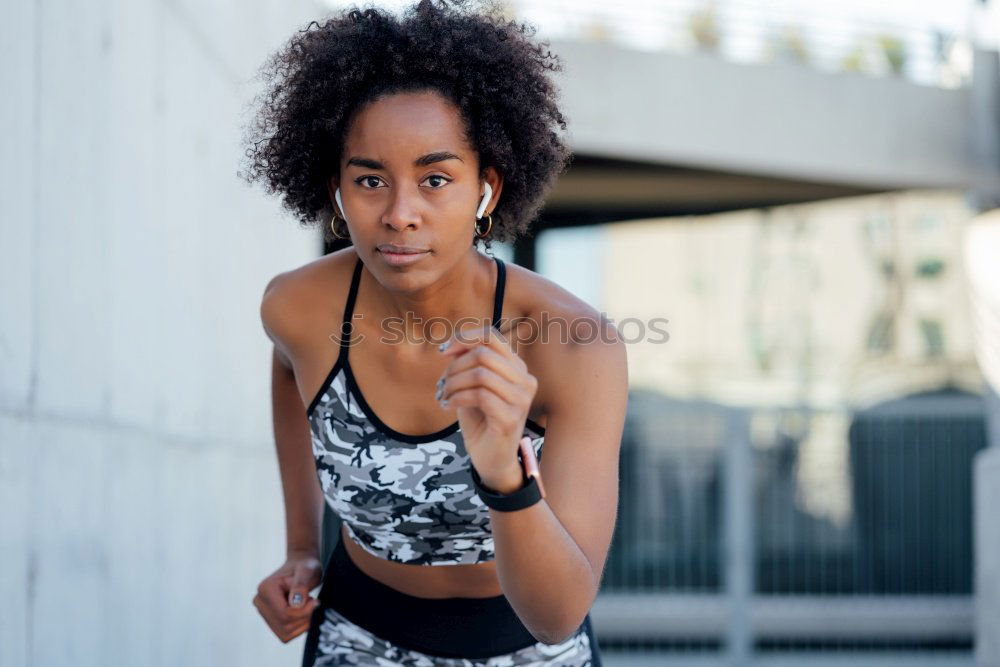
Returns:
(492,391)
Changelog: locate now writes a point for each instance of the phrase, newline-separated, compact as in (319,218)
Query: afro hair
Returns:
(485,63)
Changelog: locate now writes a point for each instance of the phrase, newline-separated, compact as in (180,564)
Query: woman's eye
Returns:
(371,182)
(367,180)
(441,180)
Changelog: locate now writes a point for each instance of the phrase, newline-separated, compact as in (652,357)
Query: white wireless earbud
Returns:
(486,200)
(340,203)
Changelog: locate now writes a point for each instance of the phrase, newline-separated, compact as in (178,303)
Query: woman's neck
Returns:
(461,297)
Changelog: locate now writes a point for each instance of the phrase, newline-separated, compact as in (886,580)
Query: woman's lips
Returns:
(402,258)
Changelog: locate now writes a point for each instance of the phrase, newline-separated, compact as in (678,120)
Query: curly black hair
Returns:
(485,63)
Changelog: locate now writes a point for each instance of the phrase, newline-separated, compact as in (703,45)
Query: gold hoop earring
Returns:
(333,228)
(489,226)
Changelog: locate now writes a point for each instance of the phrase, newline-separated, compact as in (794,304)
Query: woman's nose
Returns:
(404,209)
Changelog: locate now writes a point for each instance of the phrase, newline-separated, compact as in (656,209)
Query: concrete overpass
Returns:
(665,134)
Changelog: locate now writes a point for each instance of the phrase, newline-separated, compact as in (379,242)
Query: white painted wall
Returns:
(140,503)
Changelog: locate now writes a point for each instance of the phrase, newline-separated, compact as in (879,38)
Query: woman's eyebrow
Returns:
(422,161)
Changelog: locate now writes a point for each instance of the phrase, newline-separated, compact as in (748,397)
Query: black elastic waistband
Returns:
(447,627)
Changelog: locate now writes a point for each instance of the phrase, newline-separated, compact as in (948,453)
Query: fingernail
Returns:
(444,346)
(297,599)
(444,403)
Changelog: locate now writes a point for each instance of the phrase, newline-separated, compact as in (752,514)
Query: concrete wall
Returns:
(140,503)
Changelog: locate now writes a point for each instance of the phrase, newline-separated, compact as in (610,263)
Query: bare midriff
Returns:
(477,580)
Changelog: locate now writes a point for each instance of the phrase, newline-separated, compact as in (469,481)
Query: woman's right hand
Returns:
(283,596)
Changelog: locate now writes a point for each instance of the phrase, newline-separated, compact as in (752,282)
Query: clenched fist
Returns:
(283,597)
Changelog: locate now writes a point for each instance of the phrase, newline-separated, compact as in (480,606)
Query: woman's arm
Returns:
(283,596)
(300,485)
(550,556)
(303,496)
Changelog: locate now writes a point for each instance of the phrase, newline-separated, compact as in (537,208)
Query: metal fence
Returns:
(753,536)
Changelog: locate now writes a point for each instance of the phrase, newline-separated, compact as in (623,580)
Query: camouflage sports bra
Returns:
(405,498)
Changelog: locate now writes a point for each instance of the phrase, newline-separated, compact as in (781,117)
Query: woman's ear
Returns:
(332,187)
(492,178)
(487,196)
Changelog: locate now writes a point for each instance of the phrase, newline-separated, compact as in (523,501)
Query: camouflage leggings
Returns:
(334,640)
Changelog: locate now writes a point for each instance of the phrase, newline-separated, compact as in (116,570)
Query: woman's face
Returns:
(408,177)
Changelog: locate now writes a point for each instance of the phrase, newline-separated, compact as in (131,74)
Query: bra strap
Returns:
(498,296)
(348,325)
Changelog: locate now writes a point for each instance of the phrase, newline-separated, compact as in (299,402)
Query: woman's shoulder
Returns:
(568,341)
(288,308)
(556,315)
(552,329)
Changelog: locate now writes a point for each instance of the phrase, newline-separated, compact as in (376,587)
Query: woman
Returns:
(415,137)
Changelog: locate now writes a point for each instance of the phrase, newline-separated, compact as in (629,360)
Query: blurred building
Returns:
(820,357)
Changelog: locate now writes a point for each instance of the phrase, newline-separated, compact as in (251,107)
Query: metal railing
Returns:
(928,48)
(717,551)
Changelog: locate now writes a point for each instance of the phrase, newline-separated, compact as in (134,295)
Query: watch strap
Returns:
(526,496)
